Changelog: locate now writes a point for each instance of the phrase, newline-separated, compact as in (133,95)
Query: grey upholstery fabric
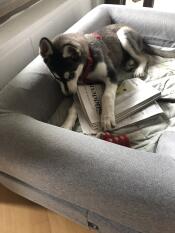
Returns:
(106,225)
(67,209)
(155,26)
(131,190)
(166,145)
(132,184)
(32,92)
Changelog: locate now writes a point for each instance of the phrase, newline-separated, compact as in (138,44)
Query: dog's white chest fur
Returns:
(99,73)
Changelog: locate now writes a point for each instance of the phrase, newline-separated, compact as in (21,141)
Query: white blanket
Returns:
(161,74)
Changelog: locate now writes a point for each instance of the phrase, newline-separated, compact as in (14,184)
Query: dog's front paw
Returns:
(139,73)
(107,121)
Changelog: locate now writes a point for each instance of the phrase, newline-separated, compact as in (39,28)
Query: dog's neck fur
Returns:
(88,67)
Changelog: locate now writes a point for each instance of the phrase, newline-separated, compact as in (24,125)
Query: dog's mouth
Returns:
(68,87)
(73,83)
(69,81)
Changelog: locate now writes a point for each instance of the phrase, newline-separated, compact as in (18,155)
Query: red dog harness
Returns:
(88,66)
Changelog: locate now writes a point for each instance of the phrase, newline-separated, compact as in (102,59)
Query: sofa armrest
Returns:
(155,26)
(165,144)
(131,187)
(32,92)
(93,20)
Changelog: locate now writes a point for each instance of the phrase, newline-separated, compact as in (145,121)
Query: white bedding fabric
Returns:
(161,74)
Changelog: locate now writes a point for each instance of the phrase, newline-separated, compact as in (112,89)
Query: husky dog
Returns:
(76,58)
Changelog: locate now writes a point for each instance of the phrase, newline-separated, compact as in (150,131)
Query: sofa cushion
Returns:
(166,144)
(32,92)
(157,28)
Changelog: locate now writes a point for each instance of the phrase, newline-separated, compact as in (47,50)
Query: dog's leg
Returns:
(108,105)
(130,65)
(132,43)
(69,123)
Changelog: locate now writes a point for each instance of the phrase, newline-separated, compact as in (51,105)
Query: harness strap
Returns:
(88,66)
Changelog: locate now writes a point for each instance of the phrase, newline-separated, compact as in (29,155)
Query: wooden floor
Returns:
(18,215)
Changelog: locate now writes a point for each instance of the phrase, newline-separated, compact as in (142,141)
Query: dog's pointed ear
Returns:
(72,51)
(45,47)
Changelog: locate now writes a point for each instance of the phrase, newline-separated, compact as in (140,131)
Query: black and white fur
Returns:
(67,56)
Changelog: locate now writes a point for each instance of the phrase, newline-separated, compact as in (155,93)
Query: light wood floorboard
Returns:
(18,215)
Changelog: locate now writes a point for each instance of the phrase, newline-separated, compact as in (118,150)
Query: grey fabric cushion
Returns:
(166,145)
(32,92)
(120,184)
(69,210)
(155,26)
(106,225)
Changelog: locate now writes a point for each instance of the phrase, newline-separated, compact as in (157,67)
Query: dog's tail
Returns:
(159,51)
